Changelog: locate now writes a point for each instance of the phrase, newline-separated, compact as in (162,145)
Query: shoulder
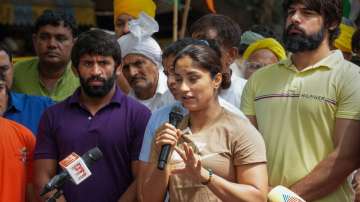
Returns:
(347,68)
(238,126)
(26,64)
(133,104)
(165,110)
(55,108)
(134,107)
(32,99)
(346,77)
(231,118)
(17,128)
(229,107)
(266,71)
(265,76)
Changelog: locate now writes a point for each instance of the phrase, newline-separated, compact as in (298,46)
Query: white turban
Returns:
(139,40)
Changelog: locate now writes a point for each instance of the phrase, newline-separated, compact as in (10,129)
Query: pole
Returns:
(175,20)
(185,18)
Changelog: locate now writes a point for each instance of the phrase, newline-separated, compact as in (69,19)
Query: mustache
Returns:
(295,27)
(134,78)
(95,78)
(51,52)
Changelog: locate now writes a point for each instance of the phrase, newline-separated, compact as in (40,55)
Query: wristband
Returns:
(209,179)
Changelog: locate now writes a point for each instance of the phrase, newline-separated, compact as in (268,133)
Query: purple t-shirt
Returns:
(117,129)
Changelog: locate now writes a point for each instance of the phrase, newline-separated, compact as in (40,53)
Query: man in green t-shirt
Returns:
(307,106)
(49,74)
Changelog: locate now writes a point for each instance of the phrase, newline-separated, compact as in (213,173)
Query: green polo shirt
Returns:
(296,113)
(26,80)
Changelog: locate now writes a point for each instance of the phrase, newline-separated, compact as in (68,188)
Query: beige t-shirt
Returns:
(228,142)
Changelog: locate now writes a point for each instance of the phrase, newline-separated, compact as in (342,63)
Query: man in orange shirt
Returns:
(16,150)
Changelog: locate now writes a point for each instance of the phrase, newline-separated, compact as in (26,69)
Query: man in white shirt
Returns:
(226,32)
(142,64)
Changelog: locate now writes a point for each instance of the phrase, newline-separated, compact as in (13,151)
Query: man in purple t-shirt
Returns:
(97,114)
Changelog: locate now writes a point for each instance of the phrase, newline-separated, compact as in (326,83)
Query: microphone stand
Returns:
(55,196)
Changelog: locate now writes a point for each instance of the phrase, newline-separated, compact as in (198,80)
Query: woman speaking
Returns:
(216,155)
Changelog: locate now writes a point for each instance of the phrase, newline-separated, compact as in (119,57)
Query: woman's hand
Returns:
(356,186)
(192,165)
(166,134)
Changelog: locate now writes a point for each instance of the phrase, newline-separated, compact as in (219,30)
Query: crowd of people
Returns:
(256,112)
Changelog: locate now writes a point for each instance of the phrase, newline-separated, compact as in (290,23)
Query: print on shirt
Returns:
(23,154)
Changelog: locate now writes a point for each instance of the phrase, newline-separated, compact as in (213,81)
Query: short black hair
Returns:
(55,18)
(331,10)
(264,31)
(228,31)
(178,45)
(96,42)
(6,49)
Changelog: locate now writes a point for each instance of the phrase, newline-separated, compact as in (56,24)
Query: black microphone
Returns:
(175,117)
(89,158)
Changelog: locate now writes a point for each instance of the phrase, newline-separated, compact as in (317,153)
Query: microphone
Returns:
(175,117)
(75,168)
(283,194)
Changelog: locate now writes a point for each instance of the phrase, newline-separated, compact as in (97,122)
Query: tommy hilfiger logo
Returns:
(294,95)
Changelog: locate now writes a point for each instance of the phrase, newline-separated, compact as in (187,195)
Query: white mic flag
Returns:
(283,194)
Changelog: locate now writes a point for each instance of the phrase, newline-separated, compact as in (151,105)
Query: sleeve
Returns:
(156,121)
(141,118)
(349,98)
(46,147)
(247,99)
(148,138)
(248,146)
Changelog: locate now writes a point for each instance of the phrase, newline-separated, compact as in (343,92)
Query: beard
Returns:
(302,42)
(97,91)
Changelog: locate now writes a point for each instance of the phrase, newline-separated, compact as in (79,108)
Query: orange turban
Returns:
(134,7)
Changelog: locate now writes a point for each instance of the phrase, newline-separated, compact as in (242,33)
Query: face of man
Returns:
(228,55)
(6,68)
(122,24)
(258,59)
(97,74)
(170,73)
(304,29)
(53,44)
(141,73)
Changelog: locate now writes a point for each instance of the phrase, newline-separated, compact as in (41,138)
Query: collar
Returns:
(331,61)
(68,71)
(116,99)
(15,102)
(162,83)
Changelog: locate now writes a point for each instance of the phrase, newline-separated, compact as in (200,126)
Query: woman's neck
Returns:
(201,118)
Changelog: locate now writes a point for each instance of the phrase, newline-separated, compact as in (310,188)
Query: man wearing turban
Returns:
(142,66)
(261,53)
(126,10)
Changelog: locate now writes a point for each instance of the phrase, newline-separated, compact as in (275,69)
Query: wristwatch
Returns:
(209,179)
